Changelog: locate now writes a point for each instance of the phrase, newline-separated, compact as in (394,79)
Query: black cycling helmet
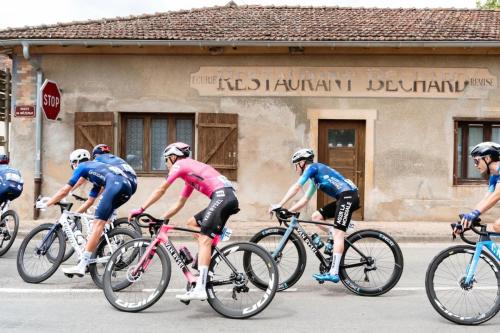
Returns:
(101,148)
(483,149)
(4,159)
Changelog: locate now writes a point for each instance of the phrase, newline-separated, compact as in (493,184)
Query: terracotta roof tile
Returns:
(272,23)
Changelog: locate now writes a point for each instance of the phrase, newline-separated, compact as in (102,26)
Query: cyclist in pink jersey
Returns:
(211,220)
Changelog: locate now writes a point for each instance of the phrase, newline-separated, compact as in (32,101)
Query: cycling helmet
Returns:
(304,154)
(79,156)
(4,159)
(178,149)
(491,149)
(101,148)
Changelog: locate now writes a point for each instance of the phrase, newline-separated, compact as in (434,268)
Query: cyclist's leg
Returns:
(496,226)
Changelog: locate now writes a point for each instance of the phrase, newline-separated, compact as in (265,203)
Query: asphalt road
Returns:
(63,305)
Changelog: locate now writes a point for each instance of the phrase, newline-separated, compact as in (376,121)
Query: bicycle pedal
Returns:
(185,302)
(69,275)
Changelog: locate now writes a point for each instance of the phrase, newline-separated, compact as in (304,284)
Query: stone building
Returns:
(392,98)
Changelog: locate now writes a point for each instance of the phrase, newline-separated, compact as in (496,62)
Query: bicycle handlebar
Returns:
(147,224)
(473,226)
(79,198)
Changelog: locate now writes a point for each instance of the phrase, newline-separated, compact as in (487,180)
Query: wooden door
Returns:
(342,147)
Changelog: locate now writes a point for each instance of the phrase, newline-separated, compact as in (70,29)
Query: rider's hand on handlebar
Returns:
(41,203)
(469,217)
(273,209)
(135,212)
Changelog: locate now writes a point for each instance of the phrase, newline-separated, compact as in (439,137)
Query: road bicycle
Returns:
(463,281)
(371,265)
(43,249)
(230,284)
(9,224)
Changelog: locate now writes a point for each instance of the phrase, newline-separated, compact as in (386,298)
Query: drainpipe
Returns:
(38,126)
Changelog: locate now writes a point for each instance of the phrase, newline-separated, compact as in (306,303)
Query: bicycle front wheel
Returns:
(230,286)
(106,247)
(452,298)
(290,260)
(9,224)
(131,288)
(372,263)
(40,253)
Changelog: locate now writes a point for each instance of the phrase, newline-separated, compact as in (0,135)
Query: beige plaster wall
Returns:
(411,160)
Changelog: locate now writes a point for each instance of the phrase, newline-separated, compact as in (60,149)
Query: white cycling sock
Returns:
(85,258)
(335,264)
(201,283)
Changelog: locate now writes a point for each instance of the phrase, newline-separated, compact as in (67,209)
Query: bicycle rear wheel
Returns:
(123,222)
(291,260)
(117,237)
(130,288)
(372,263)
(452,298)
(40,253)
(230,284)
(9,224)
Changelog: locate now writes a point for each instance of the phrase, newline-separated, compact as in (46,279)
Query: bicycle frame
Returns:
(295,225)
(162,239)
(484,242)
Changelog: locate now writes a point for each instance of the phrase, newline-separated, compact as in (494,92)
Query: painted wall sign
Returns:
(24,111)
(406,82)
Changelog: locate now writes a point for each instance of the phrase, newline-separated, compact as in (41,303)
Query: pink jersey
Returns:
(197,175)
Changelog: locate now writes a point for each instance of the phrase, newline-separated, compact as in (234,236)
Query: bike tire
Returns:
(356,282)
(115,274)
(123,222)
(27,248)
(294,248)
(225,301)
(440,305)
(13,229)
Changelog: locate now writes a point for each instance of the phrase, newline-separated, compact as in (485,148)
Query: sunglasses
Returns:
(476,160)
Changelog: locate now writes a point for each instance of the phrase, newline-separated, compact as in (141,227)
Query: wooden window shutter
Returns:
(218,142)
(92,128)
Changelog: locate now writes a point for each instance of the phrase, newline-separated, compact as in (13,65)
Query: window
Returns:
(144,136)
(469,133)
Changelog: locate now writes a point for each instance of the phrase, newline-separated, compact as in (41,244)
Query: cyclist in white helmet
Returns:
(332,183)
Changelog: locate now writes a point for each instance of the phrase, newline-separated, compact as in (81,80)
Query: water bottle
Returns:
(316,239)
(225,234)
(329,245)
(80,239)
(185,255)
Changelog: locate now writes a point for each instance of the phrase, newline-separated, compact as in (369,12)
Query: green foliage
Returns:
(488,4)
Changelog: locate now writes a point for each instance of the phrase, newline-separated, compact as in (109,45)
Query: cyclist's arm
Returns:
(62,193)
(80,182)
(156,195)
(292,191)
(489,201)
(83,208)
(305,199)
(175,208)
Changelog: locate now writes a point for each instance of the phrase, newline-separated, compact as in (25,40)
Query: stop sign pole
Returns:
(50,99)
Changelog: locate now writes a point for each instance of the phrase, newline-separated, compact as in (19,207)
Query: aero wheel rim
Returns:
(235,295)
(35,263)
(375,270)
(465,301)
(131,292)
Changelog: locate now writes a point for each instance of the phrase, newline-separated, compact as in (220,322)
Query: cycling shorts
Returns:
(117,191)
(213,218)
(341,210)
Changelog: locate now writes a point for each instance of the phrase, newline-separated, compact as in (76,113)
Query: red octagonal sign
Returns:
(51,99)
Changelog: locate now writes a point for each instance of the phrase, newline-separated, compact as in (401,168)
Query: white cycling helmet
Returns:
(180,149)
(78,156)
(304,154)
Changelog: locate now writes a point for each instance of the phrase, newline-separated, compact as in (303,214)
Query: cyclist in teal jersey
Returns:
(331,182)
(486,156)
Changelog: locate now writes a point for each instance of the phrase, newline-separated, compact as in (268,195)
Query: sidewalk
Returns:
(401,231)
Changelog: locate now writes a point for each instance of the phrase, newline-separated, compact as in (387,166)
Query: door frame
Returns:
(370,116)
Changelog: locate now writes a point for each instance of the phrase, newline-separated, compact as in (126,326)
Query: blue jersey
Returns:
(98,174)
(492,183)
(326,179)
(120,163)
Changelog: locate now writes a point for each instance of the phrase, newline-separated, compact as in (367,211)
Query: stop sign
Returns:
(51,99)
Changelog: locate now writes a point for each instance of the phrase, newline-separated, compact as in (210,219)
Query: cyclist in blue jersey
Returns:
(116,191)
(11,182)
(331,182)
(486,157)
(102,153)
